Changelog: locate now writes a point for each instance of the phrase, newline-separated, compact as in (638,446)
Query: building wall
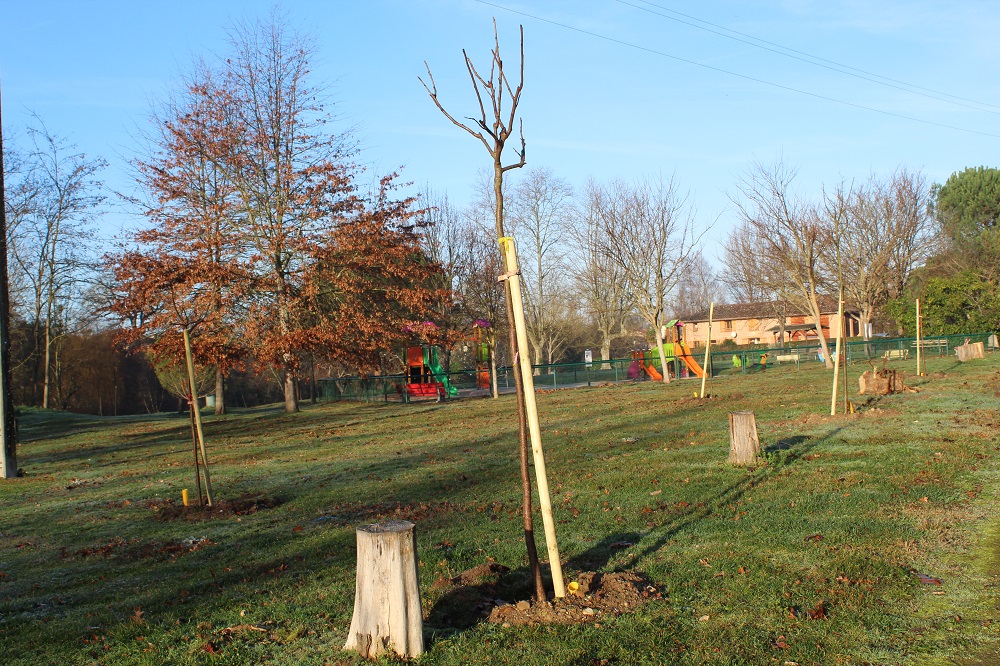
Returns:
(754,331)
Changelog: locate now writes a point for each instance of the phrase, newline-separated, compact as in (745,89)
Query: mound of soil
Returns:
(483,593)
(598,596)
(222,508)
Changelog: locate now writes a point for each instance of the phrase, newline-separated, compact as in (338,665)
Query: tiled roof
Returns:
(763,310)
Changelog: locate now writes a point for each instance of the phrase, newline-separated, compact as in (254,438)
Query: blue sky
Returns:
(603,105)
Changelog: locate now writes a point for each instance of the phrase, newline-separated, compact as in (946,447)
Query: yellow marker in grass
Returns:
(184,496)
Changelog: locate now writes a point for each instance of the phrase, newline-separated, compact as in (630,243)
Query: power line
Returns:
(914,86)
(811,60)
(736,74)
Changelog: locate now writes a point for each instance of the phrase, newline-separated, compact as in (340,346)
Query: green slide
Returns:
(431,361)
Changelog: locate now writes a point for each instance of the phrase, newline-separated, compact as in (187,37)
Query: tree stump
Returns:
(744,447)
(387,614)
(970,351)
(880,382)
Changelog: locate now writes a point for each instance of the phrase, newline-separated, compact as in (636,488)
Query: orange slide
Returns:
(653,373)
(686,356)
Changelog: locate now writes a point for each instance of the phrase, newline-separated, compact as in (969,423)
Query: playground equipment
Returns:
(483,365)
(639,364)
(674,347)
(482,354)
(424,375)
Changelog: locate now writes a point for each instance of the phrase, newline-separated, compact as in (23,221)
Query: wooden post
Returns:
(513,276)
(744,446)
(197,415)
(920,370)
(387,615)
(836,362)
(708,347)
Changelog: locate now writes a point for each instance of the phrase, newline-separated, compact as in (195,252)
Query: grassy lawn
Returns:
(844,511)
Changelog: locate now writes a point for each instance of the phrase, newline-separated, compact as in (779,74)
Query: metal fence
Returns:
(734,361)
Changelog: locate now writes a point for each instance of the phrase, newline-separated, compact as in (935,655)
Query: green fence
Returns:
(743,360)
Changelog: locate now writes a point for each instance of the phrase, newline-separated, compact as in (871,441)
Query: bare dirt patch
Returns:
(489,592)
(134,549)
(223,508)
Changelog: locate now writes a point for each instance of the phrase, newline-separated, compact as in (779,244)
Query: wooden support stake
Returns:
(708,347)
(744,446)
(387,615)
(836,362)
(197,415)
(920,367)
(513,276)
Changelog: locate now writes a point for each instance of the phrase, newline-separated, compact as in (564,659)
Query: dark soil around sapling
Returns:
(221,508)
(489,592)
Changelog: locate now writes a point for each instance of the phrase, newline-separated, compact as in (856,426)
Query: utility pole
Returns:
(8,429)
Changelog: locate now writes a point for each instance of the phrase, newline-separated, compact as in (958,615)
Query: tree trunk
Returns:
(818,318)
(663,357)
(387,614)
(48,362)
(744,446)
(522,418)
(493,372)
(220,393)
(605,350)
(313,397)
(291,397)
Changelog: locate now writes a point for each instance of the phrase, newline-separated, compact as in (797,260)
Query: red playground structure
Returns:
(425,378)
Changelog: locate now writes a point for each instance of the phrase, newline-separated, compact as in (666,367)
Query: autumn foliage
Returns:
(259,240)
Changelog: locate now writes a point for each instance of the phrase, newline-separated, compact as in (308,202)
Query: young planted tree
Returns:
(651,238)
(493,128)
(789,237)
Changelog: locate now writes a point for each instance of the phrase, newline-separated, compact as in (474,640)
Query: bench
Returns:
(939,344)
(786,358)
(896,354)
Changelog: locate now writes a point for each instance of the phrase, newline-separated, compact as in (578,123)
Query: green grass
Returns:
(907,484)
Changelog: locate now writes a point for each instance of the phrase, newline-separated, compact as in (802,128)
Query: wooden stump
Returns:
(970,350)
(880,382)
(387,614)
(744,447)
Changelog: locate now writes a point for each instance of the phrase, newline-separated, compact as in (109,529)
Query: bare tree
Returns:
(443,241)
(493,129)
(481,295)
(744,267)
(55,239)
(541,209)
(600,280)
(789,237)
(879,232)
(650,237)
(697,287)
